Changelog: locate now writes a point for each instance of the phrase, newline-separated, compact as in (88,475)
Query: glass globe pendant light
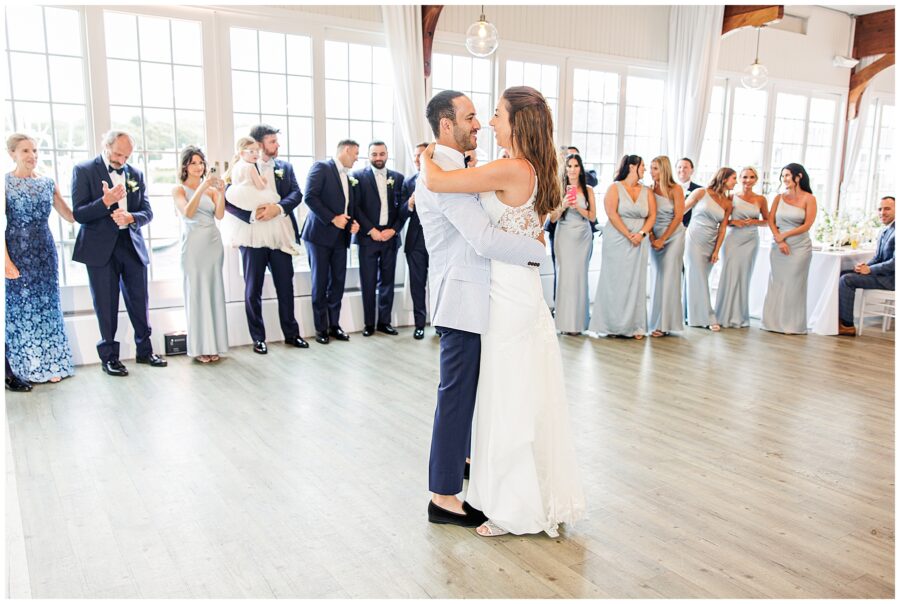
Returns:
(481,37)
(756,75)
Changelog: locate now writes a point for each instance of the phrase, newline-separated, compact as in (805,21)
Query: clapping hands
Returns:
(114,195)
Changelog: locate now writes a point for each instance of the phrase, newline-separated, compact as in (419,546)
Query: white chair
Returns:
(876,303)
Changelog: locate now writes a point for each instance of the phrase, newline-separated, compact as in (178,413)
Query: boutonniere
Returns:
(390,181)
(133,185)
(353,181)
(279,173)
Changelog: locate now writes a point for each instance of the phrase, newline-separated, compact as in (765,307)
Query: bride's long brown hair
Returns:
(531,124)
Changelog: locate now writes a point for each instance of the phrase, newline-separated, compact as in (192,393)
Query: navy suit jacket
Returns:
(368,206)
(288,190)
(692,186)
(414,236)
(325,200)
(882,264)
(98,234)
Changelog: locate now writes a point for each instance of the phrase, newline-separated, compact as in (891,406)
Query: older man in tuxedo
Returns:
(330,195)
(877,273)
(380,220)
(256,259)
(109,200)
(414,247)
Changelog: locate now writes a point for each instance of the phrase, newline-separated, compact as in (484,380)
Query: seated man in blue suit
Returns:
(256,259)
(414,247)
(877,273)
(330,196)
(380,220)
(109,200)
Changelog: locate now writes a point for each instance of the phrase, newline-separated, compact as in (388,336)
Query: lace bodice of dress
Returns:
(521,220)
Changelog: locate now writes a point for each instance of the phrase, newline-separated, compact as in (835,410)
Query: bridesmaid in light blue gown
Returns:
(739,253)
(574,242)
(620,304)
(200,201)
(666,251)
(711,209)
(792,215)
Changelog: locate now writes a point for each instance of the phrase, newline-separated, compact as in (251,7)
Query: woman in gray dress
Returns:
(666,251)
(792,215)
(620,304)
(739,253)
(711,209)
(573,243)
(200,202)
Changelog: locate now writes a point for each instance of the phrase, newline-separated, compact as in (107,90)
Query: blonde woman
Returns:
(666,251)
(749,212)
(711,210)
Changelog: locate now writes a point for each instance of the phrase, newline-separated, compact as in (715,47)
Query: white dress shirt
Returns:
(381,182)
(345,184)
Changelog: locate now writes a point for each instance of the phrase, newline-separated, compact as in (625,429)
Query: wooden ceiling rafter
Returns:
(430,15)
(739,16)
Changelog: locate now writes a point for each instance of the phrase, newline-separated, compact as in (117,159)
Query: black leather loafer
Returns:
(419,333)
(259,347)
(386,328)
(297,342)
(321,337)
(154,360)
(338,334)
(368,330)
(469,519)
(17,384)
(114,368)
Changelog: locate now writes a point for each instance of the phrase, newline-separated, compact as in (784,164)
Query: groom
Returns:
(460,242)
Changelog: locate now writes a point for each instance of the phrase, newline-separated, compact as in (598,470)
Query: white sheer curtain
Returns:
(403,29)
(695,34)
(855,131)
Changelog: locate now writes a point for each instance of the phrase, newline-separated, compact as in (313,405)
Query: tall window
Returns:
(472,77)
(644,108)
(819,155)
(885,173)
(271,83)
(359,98)
(711,152)
(595,120)
(748,129)
(541,77)
(789,133)
(155,74)
(47,100)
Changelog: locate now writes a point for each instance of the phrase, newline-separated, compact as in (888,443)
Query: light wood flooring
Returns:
(741,464)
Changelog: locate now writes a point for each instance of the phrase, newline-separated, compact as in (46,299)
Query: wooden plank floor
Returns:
(741,464)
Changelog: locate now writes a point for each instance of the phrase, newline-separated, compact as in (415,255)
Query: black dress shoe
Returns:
(338,334)
(386,328)
(470,518)
(419,333)
(115,368)
(466,471)
(17,384)
(297,341)
(368,330)
(154,360)
(259,347)
(321,337)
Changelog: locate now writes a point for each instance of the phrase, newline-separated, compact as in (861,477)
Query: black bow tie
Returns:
(466,160)
(118,171)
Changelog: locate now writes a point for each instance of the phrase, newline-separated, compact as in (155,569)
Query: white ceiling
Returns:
(858,9)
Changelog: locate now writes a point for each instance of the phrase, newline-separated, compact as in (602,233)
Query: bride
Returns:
(523,475)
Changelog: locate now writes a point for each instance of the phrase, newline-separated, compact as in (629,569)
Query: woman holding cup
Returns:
(200,202)
(573,244)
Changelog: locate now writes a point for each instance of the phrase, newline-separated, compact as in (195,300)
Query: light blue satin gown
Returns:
(202,256)
(699,245)
(573,243)
(784,309)
(620,304)
(666,310)
(738,255)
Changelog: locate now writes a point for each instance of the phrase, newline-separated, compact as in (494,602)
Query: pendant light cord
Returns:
(758,32)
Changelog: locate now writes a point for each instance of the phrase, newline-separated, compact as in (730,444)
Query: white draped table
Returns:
(822,293)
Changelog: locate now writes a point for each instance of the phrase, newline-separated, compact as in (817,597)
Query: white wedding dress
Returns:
(523,475)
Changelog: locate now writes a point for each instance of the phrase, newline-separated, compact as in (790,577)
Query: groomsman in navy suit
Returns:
(414,247)
(330,196)
(877,273)
(684,170)
(380,221)
(109,200)
(256,259)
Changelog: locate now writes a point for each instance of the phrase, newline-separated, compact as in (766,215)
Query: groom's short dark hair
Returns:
(261,131)
(441,106)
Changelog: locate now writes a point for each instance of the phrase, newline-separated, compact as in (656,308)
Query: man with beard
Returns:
(380,219)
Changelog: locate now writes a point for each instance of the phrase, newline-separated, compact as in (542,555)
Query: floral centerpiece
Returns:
(834,230)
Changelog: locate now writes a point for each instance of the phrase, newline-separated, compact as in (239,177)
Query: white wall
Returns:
(365,13)
(884,81)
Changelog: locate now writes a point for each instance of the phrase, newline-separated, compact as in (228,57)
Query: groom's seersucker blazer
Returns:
(461,242)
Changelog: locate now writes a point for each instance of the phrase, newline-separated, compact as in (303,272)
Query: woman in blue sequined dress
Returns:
(36,344)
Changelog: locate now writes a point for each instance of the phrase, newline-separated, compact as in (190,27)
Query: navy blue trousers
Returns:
(328,272)
(123,273)
(417,260)
(377,265)
(849,283)
(255,261)
(452,433)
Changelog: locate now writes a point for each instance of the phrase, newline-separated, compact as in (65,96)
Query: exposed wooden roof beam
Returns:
(739,16)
